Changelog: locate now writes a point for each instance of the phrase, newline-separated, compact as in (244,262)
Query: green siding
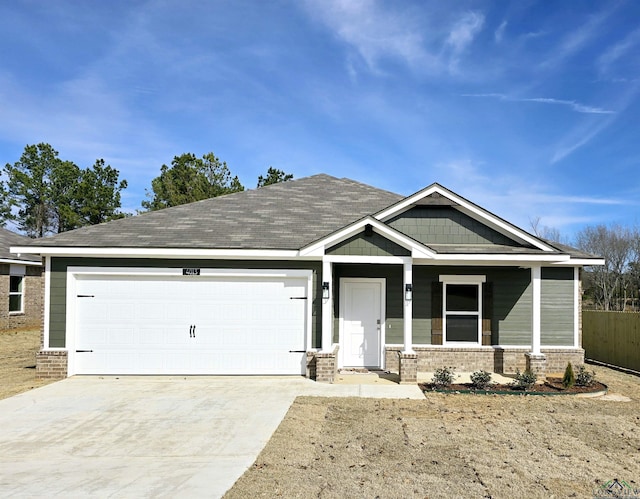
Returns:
(557,307)
(57,323)
(446,225)
(512,300)
(374,245)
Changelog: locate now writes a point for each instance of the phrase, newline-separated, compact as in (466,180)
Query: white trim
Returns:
(158,252)
(536,287)
(383,319)
(47,302)
(20,262)
(472,280)
(576,307)
(582,262)
(76,273)
(469,209)
(463,279)
(367,259)
(418,250)
(479,258)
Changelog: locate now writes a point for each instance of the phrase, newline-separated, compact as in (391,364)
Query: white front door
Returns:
(362,320)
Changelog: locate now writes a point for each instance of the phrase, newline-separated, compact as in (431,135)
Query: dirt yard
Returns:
(18,362)
(453,445)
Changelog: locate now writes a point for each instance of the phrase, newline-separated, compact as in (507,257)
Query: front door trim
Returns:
(342,335)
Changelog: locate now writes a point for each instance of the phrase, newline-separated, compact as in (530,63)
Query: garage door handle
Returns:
(190,331)
(194,331)
(84,351)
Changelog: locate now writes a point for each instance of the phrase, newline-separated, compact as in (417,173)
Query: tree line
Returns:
(43,194)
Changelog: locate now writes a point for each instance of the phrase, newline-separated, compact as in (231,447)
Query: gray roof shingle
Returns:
(8,239)
(284,216)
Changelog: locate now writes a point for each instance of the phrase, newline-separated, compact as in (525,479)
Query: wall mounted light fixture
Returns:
(325,290)
(408,291)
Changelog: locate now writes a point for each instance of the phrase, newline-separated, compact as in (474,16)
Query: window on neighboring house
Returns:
(16,293)
(462,309)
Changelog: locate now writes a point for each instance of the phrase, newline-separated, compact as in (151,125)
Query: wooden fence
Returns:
(612,338)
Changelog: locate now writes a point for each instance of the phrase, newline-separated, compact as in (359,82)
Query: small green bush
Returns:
(569,378)
(584,377)
(524,381)
(443,377)
(480,379)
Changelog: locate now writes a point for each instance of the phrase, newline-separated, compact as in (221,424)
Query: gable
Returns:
(442,224)
(368,245)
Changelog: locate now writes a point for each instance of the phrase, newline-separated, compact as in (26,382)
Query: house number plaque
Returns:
(190,271)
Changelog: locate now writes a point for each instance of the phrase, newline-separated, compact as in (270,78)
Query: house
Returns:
(306,277)
(20,285)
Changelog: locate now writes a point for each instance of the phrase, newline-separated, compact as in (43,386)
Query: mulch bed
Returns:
(552,386)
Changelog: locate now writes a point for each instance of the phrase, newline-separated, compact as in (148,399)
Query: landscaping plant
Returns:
(524,381)
(443,377)
(480,379)
(569,378)
(584,377)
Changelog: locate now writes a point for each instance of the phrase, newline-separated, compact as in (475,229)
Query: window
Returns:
(16,293)
(462,309)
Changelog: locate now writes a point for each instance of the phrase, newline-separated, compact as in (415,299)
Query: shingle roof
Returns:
(288,215)
(8,239)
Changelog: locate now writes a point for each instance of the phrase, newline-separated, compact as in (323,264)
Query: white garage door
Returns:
(192,325)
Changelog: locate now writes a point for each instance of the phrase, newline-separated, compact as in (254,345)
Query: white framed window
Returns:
(462,309)
(16,288)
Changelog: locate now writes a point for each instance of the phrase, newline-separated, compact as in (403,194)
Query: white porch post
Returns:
(536,277)
(408,307)
(327,307)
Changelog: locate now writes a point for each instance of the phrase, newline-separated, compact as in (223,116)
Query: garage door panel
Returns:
(143,325)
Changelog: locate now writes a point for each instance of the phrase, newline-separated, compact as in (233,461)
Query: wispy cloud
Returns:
(573,105)
(618,51)
(577,40)
(377,31)
(498,34)
(373,31)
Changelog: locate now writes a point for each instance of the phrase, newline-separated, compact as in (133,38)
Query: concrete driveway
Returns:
(147,436)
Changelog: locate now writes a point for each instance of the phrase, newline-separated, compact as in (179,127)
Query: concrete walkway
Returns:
(148,436)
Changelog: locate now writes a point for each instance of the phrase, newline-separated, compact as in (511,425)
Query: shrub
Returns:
(480,379)
(443,377)
(569,378)
(524,380)
(584,377)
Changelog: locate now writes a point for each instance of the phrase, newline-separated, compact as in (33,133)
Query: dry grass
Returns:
(451,445)
(18,362)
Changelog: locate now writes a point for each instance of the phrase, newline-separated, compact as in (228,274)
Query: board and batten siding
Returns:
(557,307)
(58,296)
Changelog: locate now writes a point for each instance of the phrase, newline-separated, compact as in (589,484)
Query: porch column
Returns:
(408,307)
(536,277)
(327,307)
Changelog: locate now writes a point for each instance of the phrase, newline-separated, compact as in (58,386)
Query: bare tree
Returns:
(545,232)
(619,247)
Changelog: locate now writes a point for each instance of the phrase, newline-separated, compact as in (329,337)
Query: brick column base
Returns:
(537,364)
(51,364)
(326,366)
(408,367)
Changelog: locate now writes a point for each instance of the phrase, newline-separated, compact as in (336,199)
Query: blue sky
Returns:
(529,109)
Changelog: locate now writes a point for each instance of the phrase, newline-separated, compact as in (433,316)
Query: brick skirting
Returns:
(51,364)
(499,360)
(322,366)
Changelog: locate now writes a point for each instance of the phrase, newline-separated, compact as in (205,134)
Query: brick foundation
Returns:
(499,360)
(322,366)
(408,367)
(537,364)
(51,364)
